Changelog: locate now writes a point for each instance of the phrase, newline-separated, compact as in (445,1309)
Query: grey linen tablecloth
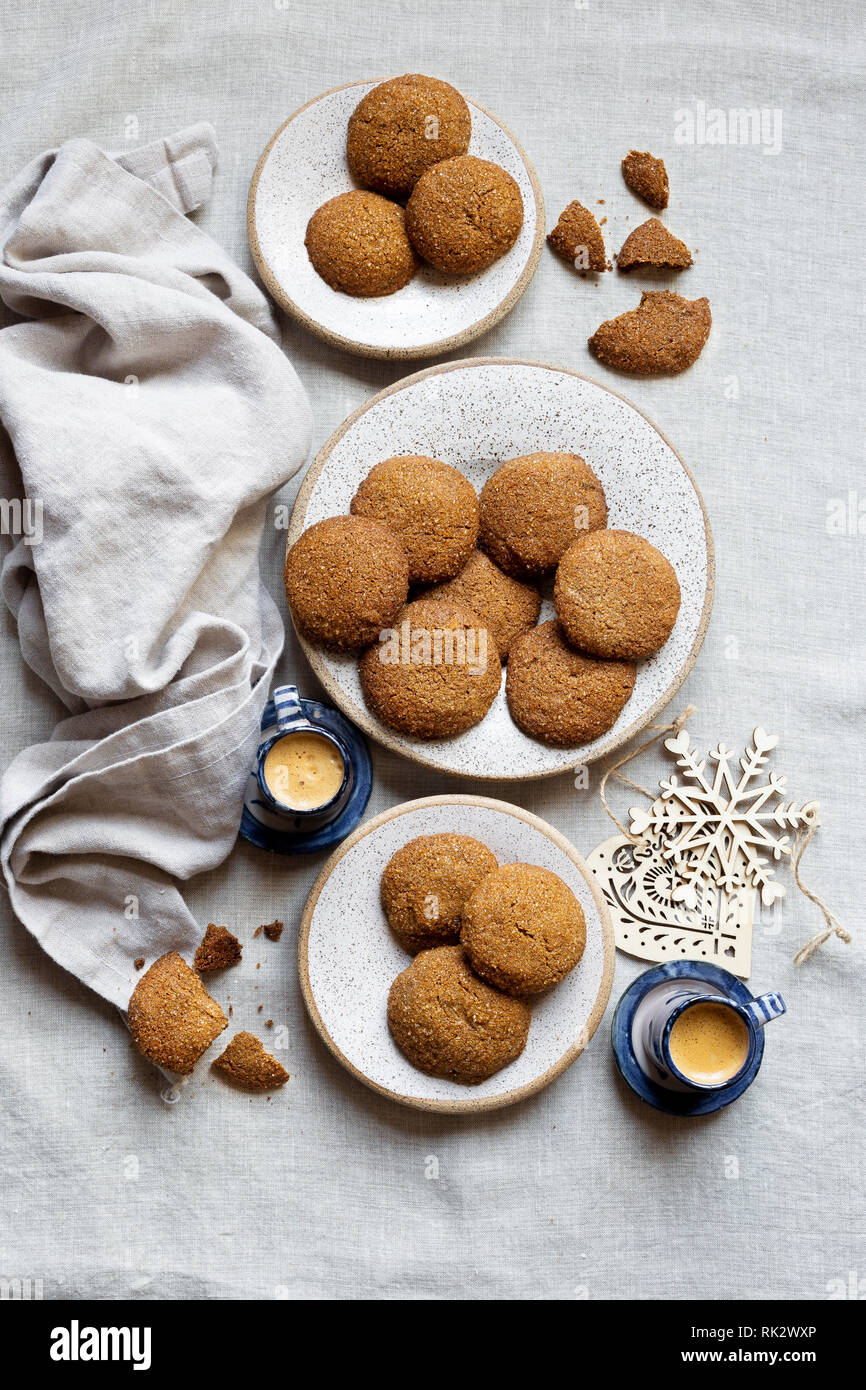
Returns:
(581,1192)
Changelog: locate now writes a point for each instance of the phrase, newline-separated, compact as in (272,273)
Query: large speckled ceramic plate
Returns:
(475,414)
(348,957)
(304,165)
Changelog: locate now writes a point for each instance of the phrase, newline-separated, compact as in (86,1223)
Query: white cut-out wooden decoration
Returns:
(638,883)
(723,827)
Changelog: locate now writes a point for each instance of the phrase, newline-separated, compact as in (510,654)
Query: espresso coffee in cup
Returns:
(304,771)
(709,1043)
(690,1035)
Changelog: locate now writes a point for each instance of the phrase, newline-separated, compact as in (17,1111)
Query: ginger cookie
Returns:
(172,1018)
(523,929)
(464,214)
(430,506)
(534,506)
(561,696)
(434,674)
(403,127)
(616,596)
(577,238)
(651,244)
(346,578)
(665,333)
(647,177)
(246,1063)
(449,1023)
(507,607)
(219,948)
(426,883)
(357,242)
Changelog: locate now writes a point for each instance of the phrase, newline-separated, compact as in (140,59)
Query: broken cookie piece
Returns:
(218,949)
(246,1063)
(172,1018)
(651,244)
(647,177)
(665,333)
(274,930)
(577,238)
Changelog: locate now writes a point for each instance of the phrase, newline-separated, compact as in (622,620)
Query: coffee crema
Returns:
(304,771)
(709,1043)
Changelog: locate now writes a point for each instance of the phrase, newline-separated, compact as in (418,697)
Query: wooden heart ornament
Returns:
(638,885)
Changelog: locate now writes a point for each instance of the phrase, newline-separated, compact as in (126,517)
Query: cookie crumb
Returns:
(647,177)
(651,244)
(577,238)
(665,333)
(246,1063)
(218,949)
(139,962)
(273,930)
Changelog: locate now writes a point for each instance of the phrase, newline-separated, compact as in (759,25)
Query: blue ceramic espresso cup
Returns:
(699,1040)
(303,770)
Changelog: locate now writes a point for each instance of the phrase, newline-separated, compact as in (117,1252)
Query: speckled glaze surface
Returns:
(304,165)
(475,414)
(348,958)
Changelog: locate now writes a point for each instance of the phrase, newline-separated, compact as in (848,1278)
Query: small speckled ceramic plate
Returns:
(475,414)
(348,957)
(304,165)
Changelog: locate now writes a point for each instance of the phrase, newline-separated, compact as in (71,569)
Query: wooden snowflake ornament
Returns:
(723,827)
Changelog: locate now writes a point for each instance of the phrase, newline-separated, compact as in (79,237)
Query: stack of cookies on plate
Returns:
(471,568)
(485,936)
(421,194)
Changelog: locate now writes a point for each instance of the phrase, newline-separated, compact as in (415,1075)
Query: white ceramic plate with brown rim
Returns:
(348,957)
(475,414)
(304,165)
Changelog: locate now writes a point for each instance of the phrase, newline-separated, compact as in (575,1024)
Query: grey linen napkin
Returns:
(148,414)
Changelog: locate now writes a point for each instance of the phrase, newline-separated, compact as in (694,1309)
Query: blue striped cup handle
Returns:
(765,1008)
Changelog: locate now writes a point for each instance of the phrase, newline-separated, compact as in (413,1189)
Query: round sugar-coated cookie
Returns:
(506,606)
(616,595)
(435,674)
(533,507)
(523,929)
(401,128)
(464,214)
(346,578)
(431,506)
(171,1016)
(449,1023)
(561,696)
(357,242)
(425,884)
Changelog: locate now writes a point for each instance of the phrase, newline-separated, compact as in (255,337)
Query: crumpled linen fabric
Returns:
(149,413)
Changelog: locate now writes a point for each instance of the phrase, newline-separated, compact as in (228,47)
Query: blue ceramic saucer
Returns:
(286,834)
(678,1102)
